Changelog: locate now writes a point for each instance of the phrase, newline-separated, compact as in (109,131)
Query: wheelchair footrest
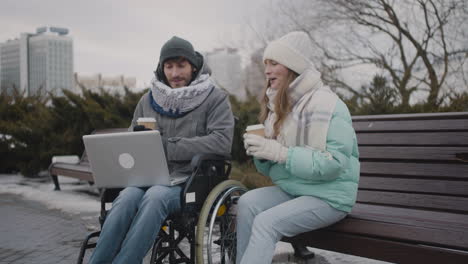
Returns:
(91,245)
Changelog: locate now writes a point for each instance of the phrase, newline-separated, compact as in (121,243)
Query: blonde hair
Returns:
(282,103)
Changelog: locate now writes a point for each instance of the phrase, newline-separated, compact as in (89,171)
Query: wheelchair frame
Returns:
(214,196)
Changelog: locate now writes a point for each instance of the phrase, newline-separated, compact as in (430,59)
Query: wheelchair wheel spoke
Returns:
(219,234)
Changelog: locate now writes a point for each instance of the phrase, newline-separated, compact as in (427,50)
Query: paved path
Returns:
(31,233)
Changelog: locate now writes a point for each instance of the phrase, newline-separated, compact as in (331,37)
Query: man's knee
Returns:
(159,191)
(162,196)
(128,200)
(130,196)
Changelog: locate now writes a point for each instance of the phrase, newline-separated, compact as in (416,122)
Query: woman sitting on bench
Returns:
(310,152)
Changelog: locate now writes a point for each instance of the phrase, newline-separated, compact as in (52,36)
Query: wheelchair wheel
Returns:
(215,238)
(157,256)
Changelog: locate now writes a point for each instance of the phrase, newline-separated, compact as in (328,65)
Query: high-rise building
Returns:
(10,65)
(37,63)
(225,64)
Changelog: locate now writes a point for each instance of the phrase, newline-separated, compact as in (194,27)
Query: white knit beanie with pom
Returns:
(293,50)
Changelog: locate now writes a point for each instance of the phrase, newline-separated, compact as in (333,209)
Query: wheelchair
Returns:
(206,219)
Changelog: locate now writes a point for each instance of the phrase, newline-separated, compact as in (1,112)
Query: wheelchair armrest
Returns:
(196,163)
(198,159)
(108,195)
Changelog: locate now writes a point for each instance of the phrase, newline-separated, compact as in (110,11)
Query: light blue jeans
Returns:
(133,223)
(267,214)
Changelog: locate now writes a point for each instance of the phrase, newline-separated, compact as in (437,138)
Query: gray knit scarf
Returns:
(179,101)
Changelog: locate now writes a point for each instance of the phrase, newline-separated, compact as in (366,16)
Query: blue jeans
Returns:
(133,223)
(267,214)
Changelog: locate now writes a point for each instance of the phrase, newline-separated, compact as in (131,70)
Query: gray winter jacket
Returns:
(209,128)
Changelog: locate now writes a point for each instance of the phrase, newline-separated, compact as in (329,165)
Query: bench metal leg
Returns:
(302,252)
(56,183)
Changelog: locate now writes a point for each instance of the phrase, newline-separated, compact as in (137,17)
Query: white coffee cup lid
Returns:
(254,127)
(146,119)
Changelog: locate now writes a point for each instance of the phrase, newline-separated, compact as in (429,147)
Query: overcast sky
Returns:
(124,37)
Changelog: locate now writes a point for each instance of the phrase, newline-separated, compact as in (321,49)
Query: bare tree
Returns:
(421,46)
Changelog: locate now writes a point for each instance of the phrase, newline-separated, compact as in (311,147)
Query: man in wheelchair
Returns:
(193,116)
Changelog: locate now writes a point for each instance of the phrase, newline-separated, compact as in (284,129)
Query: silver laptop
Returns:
(128,159)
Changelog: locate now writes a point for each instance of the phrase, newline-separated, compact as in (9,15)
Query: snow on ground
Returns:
(75,197)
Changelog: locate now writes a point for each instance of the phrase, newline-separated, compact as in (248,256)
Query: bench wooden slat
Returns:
(414,185)
(405,117)
(417,138)
(435,202)
(411,125)
(457,239)
(410,216)
(392,251)
(412,203)
(81,171)
(82,166)
(411,153)
(415,169)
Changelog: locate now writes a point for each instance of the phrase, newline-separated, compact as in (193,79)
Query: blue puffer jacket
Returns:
(333,178)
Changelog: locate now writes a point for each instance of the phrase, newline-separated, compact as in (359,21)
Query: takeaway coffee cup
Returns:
(258,129)
(148,122)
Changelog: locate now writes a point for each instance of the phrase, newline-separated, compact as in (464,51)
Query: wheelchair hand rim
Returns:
(215,210)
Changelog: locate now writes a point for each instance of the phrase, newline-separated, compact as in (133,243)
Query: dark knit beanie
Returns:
(178,47)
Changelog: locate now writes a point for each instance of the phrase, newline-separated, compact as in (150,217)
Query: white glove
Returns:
(263,148)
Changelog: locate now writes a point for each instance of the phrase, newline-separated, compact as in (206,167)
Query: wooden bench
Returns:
(80,170)
(412,204)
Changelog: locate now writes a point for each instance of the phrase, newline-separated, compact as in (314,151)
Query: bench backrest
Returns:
(84,156)
(414,160)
